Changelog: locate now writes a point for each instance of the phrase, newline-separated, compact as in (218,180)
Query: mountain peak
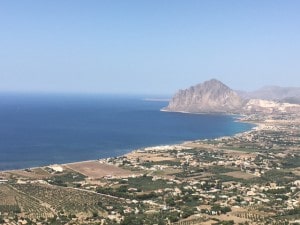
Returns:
(213,80)
(209,96)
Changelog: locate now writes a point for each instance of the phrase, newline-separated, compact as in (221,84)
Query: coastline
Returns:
(234,161)
(256,126)
(202,113)
(238,117)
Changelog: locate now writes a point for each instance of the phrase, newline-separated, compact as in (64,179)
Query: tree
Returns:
(170,201)
(186,212)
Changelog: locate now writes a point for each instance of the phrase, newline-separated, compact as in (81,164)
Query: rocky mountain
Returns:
(209,97)
(275,93)
(215,97)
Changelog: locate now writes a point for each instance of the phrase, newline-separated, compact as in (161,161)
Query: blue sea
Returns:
(38,130)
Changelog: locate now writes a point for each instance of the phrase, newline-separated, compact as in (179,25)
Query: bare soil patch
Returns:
(37,173)
(239,174)
(152,157)
(95,169)
(296,171)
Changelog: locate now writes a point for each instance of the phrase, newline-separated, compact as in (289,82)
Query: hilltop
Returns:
(215,97)
(274,93)
(209,97)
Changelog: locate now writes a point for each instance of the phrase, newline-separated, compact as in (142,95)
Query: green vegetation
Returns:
(66,179)
(147,183)
(221,169)
(291,162)
(149,164)
(220,209)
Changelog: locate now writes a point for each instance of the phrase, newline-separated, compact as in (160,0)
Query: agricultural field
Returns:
(240,175)
(96,169)
(15,201)
(35,174)
(70,201)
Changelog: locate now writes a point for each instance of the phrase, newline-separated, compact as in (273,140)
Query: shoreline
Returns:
(201,113)
(256,126)
(229,167)
(238,117)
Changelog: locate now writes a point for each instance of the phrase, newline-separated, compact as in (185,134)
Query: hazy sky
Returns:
(147,46)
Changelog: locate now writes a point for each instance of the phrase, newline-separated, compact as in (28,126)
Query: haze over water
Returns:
(46,129)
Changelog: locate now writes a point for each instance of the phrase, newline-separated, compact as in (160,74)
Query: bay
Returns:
(38,130)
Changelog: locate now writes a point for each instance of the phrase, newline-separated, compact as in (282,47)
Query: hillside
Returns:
(215,97)
(275,93)
(209,97)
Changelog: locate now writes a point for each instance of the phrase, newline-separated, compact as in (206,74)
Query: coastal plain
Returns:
(249,178)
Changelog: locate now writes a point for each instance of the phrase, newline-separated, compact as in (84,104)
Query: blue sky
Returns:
(147,47)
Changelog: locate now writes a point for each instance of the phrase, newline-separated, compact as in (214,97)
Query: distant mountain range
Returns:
(215,97)
(275,93)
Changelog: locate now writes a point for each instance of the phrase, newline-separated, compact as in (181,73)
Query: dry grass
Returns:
(153,157)
(7,195)
(95,169)
(198,145)
(296,171)
(36,174)
(239,174)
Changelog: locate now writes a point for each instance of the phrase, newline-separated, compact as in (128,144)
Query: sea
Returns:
(43,129)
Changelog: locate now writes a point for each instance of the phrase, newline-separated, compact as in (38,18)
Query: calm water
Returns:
(41,130)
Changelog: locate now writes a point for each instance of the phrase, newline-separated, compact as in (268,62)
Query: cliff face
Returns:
(209,97)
